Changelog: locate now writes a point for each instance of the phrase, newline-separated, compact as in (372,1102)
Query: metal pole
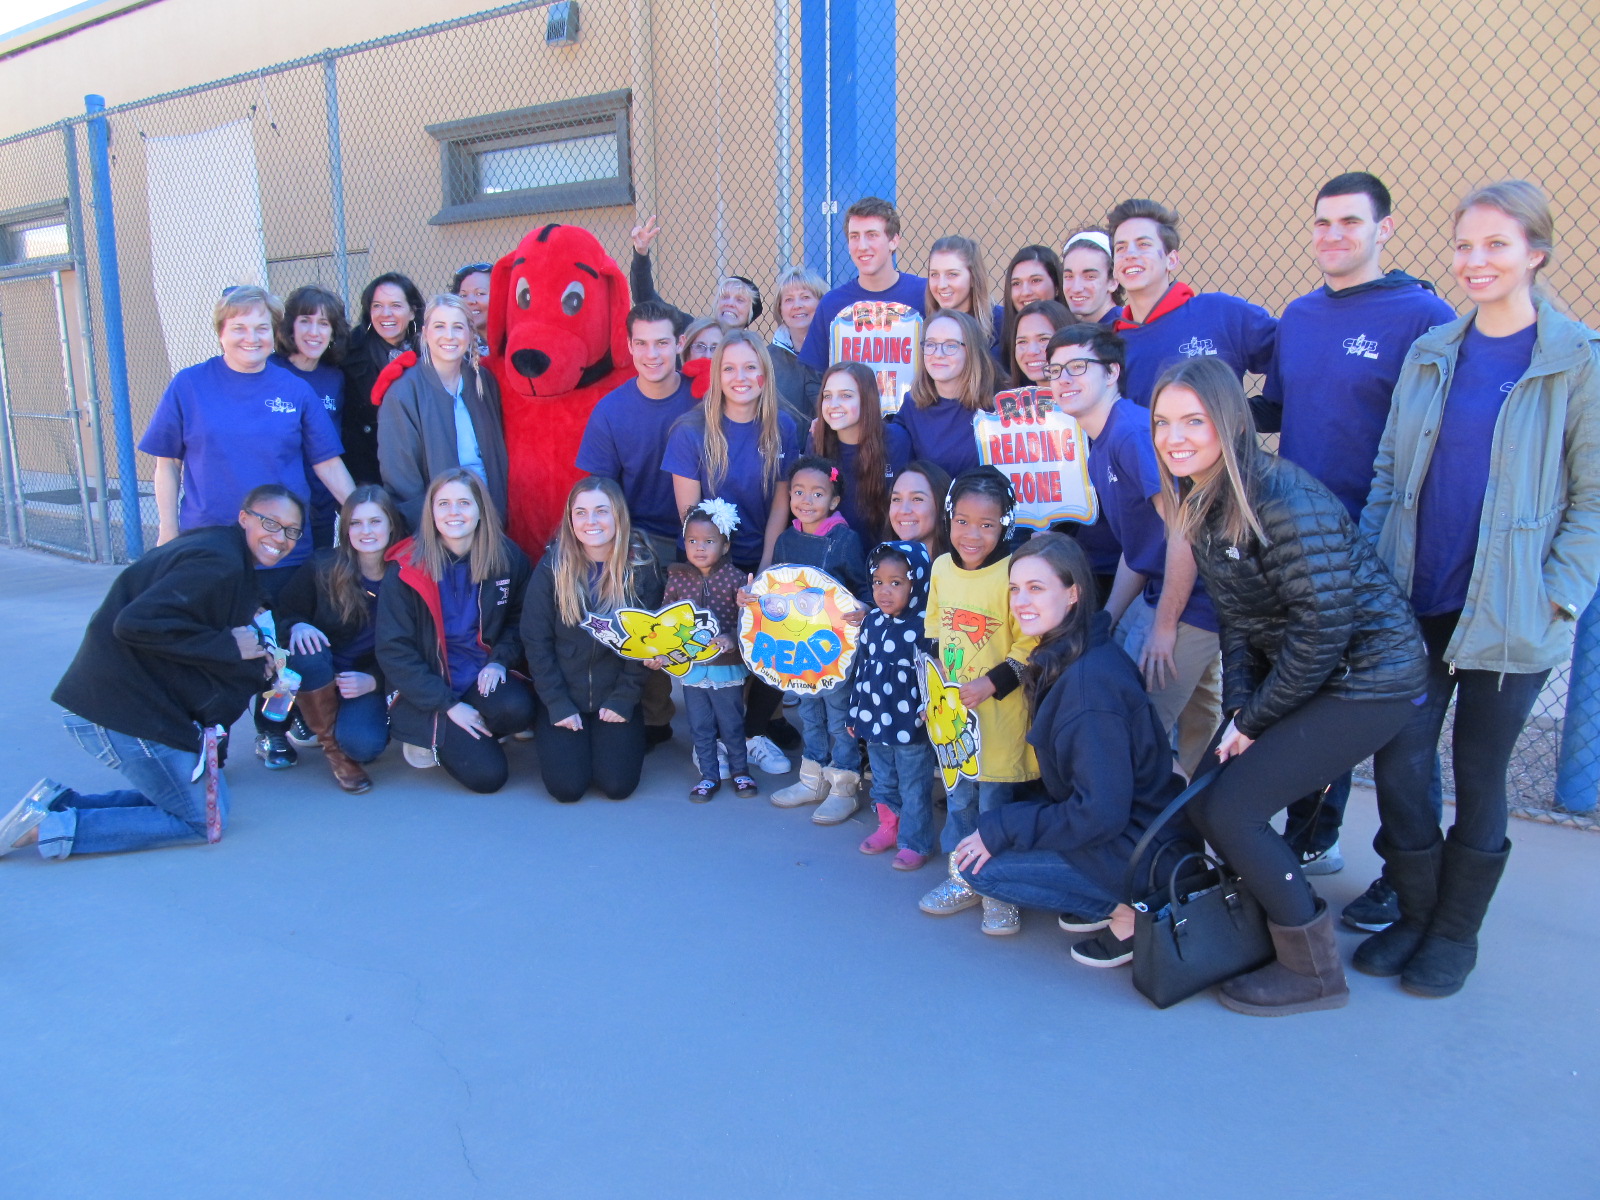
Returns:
(105,236)
(16,514)
(341,249)
(80,259)
(785,131)
(69,382)
(1578,776)
(827,91)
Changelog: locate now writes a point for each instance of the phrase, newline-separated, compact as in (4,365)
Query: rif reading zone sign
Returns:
(887,337)
(1043,452)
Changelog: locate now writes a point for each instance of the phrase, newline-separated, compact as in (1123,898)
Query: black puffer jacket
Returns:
(1311,610)
(364,357)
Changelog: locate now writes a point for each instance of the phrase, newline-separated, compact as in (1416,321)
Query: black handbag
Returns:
(1201,929)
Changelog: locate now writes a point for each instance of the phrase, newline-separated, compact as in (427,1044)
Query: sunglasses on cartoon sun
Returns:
(808,603)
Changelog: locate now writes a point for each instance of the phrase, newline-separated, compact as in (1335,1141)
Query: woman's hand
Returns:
(976,692)
(612,718)
(355,683)
(248,639)
(642,235)
(469,718)
(971,852)
(307,639)
(491,677)
(574,723)
(1233,743)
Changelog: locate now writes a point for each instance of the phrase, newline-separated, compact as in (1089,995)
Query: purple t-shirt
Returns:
(235,431)
(897,453)
(1212,323)
(910,290)
(941,433)
(744,485)
(1450,506)
(624,440)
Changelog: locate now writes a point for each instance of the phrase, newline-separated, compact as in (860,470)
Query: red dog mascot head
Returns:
(557,314)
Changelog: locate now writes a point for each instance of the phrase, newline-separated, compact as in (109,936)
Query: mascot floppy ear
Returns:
(499,301)
(621,302)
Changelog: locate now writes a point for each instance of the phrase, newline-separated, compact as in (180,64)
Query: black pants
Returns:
(602,754)
(1491,710)
(272,580)
(479,764)
(1313,745)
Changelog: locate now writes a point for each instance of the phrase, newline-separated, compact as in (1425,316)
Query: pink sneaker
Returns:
(910,860)
(887,833)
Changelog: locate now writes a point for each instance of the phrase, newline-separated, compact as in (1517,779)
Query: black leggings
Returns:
(479,764)
(1491,710)
(1312,746)
(602,754)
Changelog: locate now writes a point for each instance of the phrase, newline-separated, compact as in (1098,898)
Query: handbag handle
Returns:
(1172,880)
(1170,811)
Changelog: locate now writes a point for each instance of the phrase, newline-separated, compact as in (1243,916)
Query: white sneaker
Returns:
(1329,862)
(28,812)
(764,754)
(418,756)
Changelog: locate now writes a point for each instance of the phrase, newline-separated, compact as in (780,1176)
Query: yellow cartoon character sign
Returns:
(680,634)
(952,727)
(795,636)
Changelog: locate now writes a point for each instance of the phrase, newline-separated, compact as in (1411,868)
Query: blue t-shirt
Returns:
(1122,467)
(941,433)
(897,453)
(235,431)
(744,485)
(624,440)
(1450,506)
(910,290)
(458,603)
(1236,331)
(327,382)
(1334,371)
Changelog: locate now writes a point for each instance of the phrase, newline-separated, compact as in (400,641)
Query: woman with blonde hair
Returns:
(1322,661)
(589,731)
(955,378)
(443,412)
(449,635)
(1486,505)
(799,290)
(958,281)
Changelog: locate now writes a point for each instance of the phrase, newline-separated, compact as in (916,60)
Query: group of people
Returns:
(1427,533)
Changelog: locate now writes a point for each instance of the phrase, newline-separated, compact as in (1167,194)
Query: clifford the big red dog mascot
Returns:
(558,341)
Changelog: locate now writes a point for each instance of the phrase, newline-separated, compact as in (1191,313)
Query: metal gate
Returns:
(47,494)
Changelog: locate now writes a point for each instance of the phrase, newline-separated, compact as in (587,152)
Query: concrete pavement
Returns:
(424,993)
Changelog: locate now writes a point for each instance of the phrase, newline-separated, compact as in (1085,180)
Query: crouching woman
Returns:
(448,635)
(1104,760)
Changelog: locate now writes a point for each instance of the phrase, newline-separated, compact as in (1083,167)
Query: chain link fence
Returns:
(747,126)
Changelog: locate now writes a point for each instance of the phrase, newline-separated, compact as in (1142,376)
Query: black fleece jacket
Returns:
(1106,763)
(158,660)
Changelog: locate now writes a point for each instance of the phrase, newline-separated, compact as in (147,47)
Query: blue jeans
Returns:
(164,808)
(1041,879)
(965,801)
(902,779)
(717,713)
(823,719)
(362,726)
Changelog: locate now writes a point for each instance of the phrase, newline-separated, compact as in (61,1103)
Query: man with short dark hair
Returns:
(872,231)
(1165,319)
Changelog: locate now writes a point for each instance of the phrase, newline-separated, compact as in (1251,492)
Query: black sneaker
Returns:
(300,733)
(1105,949)
(1374,910)
(1074,923)
(274,750)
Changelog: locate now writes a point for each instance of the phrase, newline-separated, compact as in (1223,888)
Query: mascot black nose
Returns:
(532,363)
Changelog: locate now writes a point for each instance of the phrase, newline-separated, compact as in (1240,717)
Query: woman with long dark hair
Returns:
(1322,660)
(310,339)
(1035,325)
(1486,505)
(1104,761)
(390,319)
(1034,273)
(850,431)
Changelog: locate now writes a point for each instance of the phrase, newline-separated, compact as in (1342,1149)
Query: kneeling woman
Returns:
(448,619)
(1322,660)
(1104,760)
(590,731)
(329,609)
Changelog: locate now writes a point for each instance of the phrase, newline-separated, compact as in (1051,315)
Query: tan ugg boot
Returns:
(841,803)
(811,788)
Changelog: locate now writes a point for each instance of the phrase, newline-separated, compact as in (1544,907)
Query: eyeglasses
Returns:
(807,603)
(1073,367)
(942,348)
(292,532)
(703,349)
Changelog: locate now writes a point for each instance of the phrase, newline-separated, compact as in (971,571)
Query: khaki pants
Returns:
(1190,706)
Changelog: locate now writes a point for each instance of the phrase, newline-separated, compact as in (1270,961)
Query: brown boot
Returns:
(1306,976)
(321,709)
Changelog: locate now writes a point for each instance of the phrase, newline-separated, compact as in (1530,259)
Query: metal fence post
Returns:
(1578,775)
(105,236)
(80,258)
(341,249)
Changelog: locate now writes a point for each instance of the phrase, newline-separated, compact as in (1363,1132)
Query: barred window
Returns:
(34,237)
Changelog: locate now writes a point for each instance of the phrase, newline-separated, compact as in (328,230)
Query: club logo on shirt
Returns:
(329,403)
(1361,344)
(505,592)
(1197,346)
(1505,388)
(279,405)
